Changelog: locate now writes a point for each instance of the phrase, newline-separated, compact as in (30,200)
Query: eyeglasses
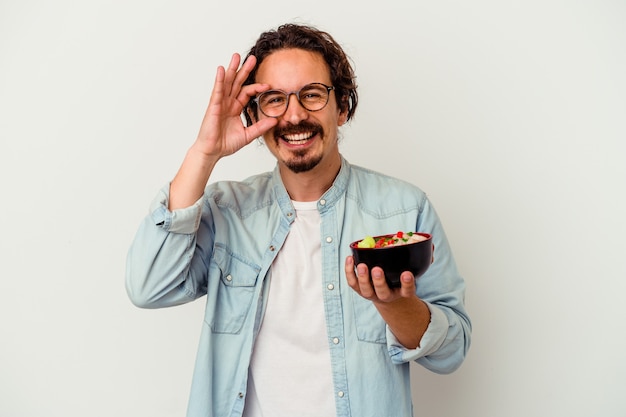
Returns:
(313,97)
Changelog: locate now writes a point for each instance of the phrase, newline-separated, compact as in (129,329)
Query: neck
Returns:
(311,185)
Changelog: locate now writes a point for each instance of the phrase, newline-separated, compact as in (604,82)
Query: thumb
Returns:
(259,128)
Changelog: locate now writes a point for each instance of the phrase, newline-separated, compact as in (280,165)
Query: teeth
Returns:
(297,142)
(298,138)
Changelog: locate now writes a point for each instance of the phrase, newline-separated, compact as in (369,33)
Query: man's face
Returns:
(302,140)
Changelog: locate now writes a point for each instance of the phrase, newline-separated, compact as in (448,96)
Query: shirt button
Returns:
(330,287)
(336,340)
(329,239)
(272,248)
(340,394)
(240,395)
(229,278)
(322,202)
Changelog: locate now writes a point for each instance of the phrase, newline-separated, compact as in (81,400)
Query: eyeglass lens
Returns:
(312,97)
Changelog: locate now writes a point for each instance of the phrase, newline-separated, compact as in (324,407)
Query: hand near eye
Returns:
(222,131)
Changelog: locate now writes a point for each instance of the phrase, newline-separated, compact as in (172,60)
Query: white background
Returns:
(511,115)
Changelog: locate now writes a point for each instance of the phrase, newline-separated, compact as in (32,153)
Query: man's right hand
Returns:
(222,132)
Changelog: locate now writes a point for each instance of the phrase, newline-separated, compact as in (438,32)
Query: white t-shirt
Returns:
(290,373)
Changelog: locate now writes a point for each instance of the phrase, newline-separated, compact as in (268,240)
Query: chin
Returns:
(298,165)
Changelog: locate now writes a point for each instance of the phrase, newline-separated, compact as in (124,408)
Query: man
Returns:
(292,327)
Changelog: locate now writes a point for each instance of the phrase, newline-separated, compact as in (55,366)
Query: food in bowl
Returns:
(399,238)
(395,253)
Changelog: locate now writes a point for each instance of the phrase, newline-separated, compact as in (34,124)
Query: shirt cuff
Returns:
(184,221)
(432,339)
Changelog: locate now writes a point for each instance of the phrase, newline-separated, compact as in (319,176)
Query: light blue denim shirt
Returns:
(223,247)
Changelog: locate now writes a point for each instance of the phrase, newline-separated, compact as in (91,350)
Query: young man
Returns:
(292,327)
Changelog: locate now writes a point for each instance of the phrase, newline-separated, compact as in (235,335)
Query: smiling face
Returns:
(302,141)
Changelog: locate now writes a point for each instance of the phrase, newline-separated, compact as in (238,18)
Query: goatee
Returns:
(299,161)
(301,164)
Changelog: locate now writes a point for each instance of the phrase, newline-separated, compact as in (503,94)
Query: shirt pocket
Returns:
(232,283)
(369,325)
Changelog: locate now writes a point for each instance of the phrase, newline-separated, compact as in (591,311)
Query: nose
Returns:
(295,113)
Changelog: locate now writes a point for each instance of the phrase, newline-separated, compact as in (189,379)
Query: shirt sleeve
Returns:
(185,220)
(431,341)
(446,341)
(164,265)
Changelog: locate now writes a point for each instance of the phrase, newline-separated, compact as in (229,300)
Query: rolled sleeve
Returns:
(183,221)
(432,339)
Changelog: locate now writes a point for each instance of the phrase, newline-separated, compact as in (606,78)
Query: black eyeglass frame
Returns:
(328,88)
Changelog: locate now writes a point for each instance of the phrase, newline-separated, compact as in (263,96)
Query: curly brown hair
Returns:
(310,39)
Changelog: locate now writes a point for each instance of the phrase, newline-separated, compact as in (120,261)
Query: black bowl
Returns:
(415,257)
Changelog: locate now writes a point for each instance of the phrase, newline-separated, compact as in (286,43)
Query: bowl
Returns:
(415,257)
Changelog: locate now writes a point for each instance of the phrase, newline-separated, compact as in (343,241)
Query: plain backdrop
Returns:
(511,115)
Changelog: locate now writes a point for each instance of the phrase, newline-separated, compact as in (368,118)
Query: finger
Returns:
(366,288)
(250,91)
(245,70)
(218,86)
(238,76)
(407,281)
(231,73)
(350,275)
(258,129)
(383,292)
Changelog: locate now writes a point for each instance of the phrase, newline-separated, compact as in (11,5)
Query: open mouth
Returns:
(298,138)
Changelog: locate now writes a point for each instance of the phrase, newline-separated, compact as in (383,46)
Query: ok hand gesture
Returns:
(222,131)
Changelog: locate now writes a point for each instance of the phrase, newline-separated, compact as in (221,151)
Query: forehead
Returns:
(290,69)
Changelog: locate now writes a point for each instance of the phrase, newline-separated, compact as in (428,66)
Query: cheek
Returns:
(270,141)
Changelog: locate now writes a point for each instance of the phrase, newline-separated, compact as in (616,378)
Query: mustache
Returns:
(301,127)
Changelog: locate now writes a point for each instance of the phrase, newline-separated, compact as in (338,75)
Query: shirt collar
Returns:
(330,197)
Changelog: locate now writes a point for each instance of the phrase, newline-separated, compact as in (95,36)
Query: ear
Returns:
(343,117)
(343,114)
